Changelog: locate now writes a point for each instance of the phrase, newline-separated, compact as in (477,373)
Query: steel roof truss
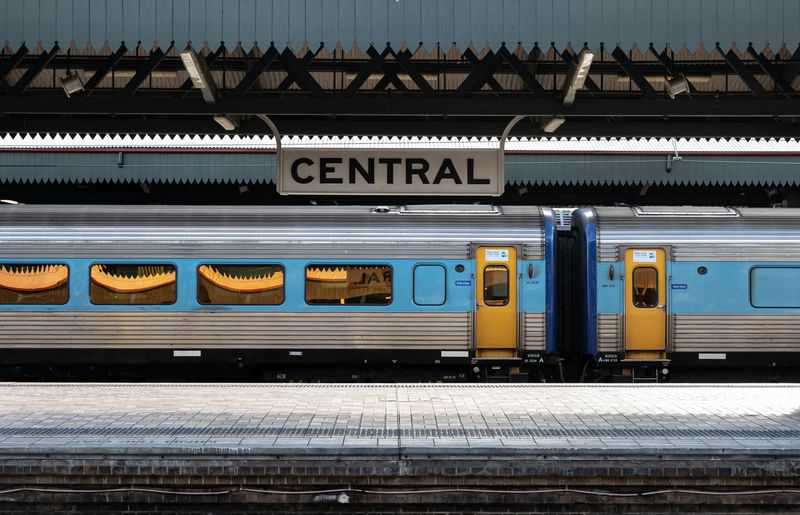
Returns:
(297,71)
(767,67)
(101,72)
(742,71)
(145,69)
(633,72)
(260,67)
(32,72)
(12,63)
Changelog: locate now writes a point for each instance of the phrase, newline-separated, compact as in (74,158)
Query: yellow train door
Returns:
(645,303)
(496,303)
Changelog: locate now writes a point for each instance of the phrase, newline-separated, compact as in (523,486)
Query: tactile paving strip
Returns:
(323,432)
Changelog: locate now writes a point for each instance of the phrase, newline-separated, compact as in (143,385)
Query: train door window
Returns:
(645,287)
(254,284)
(495,285)
(429,285)
(349,284)
(133,284)
(28,283)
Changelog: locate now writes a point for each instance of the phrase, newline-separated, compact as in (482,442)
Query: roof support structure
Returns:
(30,75)
(404,92)
(101,72)
(145,69)
(783,85)
(744,73)
(630,69)
(10,64)
(263,64)
(298,71)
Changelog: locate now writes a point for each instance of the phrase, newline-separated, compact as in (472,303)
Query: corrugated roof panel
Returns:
(478,23)
(554,145)
(631,169)
(136,167)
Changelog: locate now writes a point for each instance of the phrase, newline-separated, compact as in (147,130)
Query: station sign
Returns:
(384,171)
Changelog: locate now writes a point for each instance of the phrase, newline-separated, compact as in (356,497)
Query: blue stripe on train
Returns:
(459,295)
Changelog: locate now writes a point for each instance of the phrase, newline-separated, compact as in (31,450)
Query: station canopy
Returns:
(43,158)
(706,68)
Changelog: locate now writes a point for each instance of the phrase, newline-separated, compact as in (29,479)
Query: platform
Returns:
(230,444)
(122,418)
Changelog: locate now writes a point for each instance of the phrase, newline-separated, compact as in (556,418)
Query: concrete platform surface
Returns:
(392,419)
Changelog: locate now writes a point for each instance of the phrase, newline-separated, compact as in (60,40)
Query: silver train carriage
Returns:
(667,289)
(469,288)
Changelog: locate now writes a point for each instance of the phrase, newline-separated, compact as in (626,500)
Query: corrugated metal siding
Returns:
(254,167)
(639,169)
(535,331)
(759,234)
(290,231)
(153,167)
(609,334)
(736,333)
(477,23)
(242,330)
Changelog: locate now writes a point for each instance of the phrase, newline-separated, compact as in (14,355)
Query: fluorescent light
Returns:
(551,125)
(577,76)
(198,72)
(227,121)
(675,86)
(72,83)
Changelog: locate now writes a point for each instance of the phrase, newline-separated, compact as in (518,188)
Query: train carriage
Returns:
(689,289)
(463,291)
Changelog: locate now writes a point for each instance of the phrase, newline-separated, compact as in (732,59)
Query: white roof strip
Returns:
(256,143)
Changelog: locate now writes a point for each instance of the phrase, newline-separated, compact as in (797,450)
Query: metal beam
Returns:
(405,64)
(473,59)
(770,70)
(527,77)
(297,71)
(252,75)
(742,71)
(400,104)
(101,72)
(633,72)
(33,71)
(9,65)
(482,73)
(144,71)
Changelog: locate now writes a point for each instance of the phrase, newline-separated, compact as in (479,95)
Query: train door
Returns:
(645,303)
(496,317)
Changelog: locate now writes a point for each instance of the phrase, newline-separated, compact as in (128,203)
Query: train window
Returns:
(429,285)
(28,283)
(495,285)
(240,284)
(645,287)
(349,284)
(775,287)
(133,284)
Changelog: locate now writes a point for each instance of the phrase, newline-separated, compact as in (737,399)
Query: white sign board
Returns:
(644,256)
(385,171)
(496,255)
